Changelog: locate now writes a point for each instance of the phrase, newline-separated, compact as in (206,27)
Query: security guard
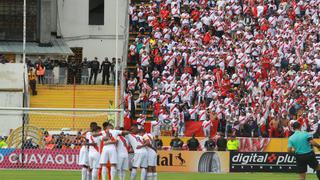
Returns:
(233,144)
(49,76)
(85,71)
(105,68)
(73,69)
(32,81)
(95,64)
(301,144)
(63,65)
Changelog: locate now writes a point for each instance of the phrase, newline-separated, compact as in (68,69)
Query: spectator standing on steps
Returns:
(84,71)
(105,69)
(95,64)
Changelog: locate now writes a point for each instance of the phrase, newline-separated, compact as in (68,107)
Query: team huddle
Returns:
(107,146)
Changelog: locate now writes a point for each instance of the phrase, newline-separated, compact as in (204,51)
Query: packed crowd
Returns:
(65,141)
(254,66)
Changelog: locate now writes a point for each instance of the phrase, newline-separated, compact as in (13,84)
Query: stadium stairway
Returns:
(131,66)
(69,96)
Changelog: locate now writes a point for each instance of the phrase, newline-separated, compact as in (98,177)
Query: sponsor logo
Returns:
(39,159)
(270,162)
(263,158)
(171,160)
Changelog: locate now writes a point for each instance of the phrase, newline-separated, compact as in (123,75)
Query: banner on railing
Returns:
(262,162)
(39,159)
(193,161)
(168,161)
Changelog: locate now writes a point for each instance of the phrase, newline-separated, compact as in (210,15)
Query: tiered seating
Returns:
(253,66)
(68,96)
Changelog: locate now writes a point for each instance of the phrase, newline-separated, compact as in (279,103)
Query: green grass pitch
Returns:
(75,175)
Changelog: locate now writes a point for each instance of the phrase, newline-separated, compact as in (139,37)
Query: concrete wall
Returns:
(96,40)
(11,76)
(11,95)
(10,120)
(45,21)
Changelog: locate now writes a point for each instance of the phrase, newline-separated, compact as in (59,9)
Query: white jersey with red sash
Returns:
(122,146)
(135,141)
(155,128)
(145,60)
(206,125)
(202,115)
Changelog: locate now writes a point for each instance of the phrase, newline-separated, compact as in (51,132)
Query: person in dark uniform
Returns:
(301,143)
(210,144)
(85,71)
(63,65)
(49,71)
(73,70)
(95,65)
(105,68)
(221,143)
(29,63)
(193,143)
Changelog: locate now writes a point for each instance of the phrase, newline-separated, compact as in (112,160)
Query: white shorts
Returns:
(109,154)
(94,158)
(140,160)
(152,157)
(131,155)
(83,156)
(123,162)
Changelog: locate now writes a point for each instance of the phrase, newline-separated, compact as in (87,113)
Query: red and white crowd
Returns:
(254,64)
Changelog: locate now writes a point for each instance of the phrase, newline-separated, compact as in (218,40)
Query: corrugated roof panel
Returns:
(59,47)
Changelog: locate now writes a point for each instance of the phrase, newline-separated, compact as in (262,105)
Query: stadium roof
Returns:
(57,47)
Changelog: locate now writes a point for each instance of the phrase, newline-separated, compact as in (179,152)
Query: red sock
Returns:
(99,173)
(109,169)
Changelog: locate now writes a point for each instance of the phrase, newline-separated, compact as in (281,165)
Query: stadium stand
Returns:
(254,65)
(70,96)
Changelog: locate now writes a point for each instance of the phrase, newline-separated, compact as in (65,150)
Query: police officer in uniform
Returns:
(85,71)
(105,68)
(73,70)
(62,71)
(95,64)
(301,144)
(49,76)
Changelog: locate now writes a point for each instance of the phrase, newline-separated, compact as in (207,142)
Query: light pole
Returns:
(24,31)
(116,68)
